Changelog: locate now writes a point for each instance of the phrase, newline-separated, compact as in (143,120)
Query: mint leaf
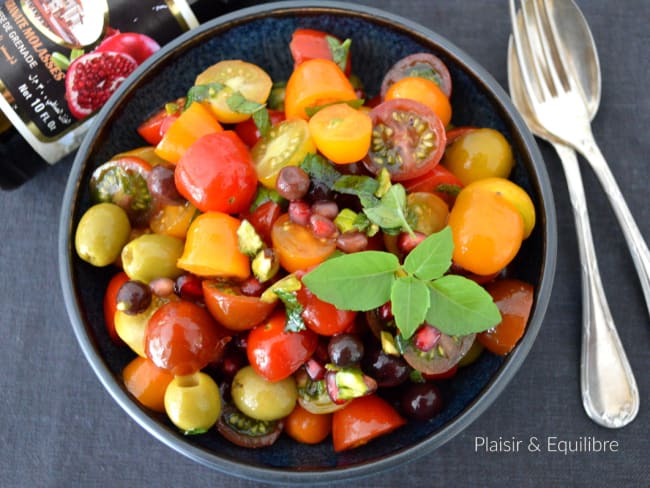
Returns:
(262,121)
(356,103)
(199,93)
(264,195)
(359,281)
(409,302)
(319,170)
(339,50)
(432,257)
(357,185)
(460,306)
(390,213)
(293,308)
(240,104)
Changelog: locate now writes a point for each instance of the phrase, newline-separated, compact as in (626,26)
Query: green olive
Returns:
(262,399)
(478,154)
(193,402)
(102,232)
(152,256)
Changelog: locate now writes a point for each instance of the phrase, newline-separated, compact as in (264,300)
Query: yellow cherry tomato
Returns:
(424,91)
(193,402)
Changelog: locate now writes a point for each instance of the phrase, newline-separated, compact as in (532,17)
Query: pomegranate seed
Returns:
(386,312)
(299,212)
(252,287)
(322,226)
(426,337)
(406,242)
(315,370)
(189,287)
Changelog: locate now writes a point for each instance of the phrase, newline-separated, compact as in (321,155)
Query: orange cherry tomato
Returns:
(110,304)
(341,133)
(212,248)
(147,383)
(514,298)
(428,212)
(424,91)
(487,230)
(297,247)
(362,420)
(173,220)
(313,83)
(231,308)
(306,427)
(196,121)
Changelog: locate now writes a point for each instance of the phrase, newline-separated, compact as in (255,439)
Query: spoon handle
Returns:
(609,391)
(635,242)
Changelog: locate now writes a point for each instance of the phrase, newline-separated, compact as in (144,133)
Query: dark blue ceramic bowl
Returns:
(261,35)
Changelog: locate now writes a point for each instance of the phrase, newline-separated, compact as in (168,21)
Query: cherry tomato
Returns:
(514,298)
(314,83)
(182,338)
(297,246)
(362,420)
(306,427)
(248,131)
(440,181)
(478,154)
(341,133)
(153,129)
(408,139)
(423,91)
(446,354)
(231,308)
(216,174)
(251,81)
(147,383)
(309,44)
(110,304)
(423,65)
(322,317)
(263,218)
(487,230)
(275,353)
(427,212)
(455,132)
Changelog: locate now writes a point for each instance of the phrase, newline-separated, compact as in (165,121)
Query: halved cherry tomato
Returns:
(297,246)
(408,139)
(423,91)
(362,420)
(263,218)
(231,308)
(216,173)
(341,133)
(306,427)
(309,44)
(439,180)
(514,298)
(445,375)
(173,220)
(322,317)
(195,122)
(244,431)
(314,83)
(487,230)
(427,212)
(248,131)
(446,354)
(182,338)
(286,144)
(423,65)
(110,304)
(275,353)
(153,129)
(147,382)
(236,76)
(148,153)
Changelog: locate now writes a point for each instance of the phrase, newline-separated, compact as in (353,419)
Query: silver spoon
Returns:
(609,392)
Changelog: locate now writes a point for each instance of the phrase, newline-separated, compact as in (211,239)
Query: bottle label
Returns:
(60,60)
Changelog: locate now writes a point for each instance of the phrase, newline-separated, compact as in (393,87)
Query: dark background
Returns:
(58,427)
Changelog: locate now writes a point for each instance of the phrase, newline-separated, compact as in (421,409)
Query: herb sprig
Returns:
(419,289)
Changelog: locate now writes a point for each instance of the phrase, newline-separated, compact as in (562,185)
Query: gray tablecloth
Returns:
(58,427)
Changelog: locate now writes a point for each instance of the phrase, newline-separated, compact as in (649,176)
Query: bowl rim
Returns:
(471,412)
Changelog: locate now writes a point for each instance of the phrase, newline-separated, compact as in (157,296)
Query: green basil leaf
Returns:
(358,281)
(339,50)
(293,308)
(409,303)
(264,195)
(460,306)
(199,93)
(432,257)
(242,105)
(390,213)
(319,170)
(262,121)
(356,103)
(356,185)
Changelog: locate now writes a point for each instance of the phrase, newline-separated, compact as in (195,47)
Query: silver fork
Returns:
(559,107)
(609,391)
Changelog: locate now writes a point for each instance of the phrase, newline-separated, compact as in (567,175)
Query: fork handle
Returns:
(635,242)
(609,392)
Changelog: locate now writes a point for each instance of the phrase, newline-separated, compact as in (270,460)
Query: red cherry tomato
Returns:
(439,180)
(408,139)
(248,131)
(231,308)
(153,129)
(182,338)
(275,353)
(263,218)
(216,173)
(309,44)
(362,420)
(110,304)
(322,317)
(423,65)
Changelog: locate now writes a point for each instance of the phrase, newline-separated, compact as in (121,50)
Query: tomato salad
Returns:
(292,259)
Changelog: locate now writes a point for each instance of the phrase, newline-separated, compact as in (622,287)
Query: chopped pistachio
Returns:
(289,283)
(249,241)
(388,343)
(265,265)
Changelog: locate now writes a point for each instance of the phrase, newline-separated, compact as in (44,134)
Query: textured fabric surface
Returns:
(59,428)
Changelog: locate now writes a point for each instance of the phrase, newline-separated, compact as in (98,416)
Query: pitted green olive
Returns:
(262,399)
(152,256)
(102,232)
(193,402)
